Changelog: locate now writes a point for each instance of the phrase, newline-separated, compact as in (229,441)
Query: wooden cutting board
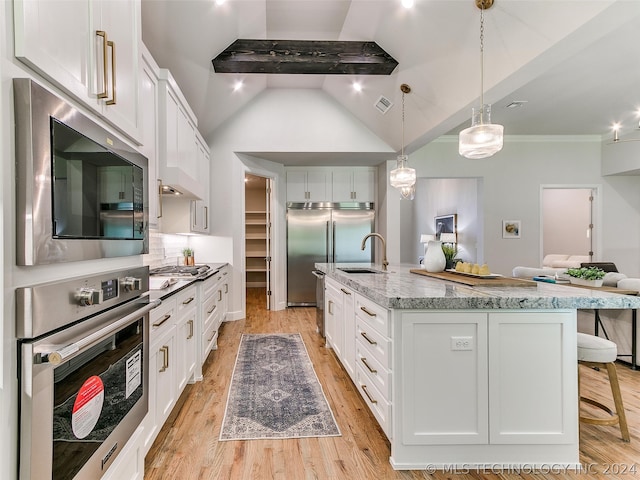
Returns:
(476,281)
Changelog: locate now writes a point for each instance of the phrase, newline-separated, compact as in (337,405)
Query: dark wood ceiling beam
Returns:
(304,57)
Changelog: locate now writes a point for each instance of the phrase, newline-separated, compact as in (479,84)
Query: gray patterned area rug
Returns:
(275,392)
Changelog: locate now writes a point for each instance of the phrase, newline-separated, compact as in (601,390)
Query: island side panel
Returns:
(532,377)
(490,387)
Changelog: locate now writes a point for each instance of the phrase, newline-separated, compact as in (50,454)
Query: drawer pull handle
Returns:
(372,342)
(165,358)
(164,319)
(226,287)
(188,301)
(214,334)
(219,295)
(364,309)
(330,309)
(212,309)
(190,322)
(364,360)
(345,291)
(366,392)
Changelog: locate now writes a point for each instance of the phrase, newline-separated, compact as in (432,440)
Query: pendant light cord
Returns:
(482,64)
(402,148)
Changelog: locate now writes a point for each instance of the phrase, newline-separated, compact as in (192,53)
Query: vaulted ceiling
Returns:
(575,63)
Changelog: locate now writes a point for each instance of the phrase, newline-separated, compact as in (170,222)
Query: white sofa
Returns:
(562,261)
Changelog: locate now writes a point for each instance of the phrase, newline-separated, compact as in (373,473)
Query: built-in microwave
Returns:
(80,191)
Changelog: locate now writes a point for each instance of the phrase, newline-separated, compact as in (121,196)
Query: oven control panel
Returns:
(75,299)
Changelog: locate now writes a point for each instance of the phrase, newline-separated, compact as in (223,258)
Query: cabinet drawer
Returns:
(380,408)
(377,374)
(162,319)
(372,344)
(373,314)
(209,311)
(209,340)
(186,299)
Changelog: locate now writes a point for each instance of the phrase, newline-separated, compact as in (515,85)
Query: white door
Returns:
(268,240)
(568,220)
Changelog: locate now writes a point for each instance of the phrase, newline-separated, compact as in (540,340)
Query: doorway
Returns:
(569,220)
(257,201)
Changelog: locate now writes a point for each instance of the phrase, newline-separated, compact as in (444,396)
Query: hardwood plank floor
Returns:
(188,448)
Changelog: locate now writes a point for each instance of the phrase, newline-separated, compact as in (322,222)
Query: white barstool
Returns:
(599,352)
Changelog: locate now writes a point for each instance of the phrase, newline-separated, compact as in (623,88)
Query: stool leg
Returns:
(617,399)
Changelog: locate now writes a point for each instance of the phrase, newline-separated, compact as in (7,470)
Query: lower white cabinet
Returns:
(129,464)
(172,357)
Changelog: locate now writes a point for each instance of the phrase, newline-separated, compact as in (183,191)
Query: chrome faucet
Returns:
(384,248)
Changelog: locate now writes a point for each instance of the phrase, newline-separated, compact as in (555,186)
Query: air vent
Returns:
(383,104)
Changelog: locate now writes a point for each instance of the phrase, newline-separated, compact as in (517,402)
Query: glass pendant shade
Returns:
(482,139)
(402,177)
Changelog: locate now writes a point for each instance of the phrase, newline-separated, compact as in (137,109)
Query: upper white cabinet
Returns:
(149,112)
(200,212)
(337,184)
(177,154)
(308,185)
(356,184)
(89,48)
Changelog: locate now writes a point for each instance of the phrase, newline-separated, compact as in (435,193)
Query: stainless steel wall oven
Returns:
(83,372)
(81,192)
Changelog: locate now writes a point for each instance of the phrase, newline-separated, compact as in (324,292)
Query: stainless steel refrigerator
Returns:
(323,232)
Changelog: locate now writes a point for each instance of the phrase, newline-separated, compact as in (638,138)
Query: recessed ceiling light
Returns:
(357,86)
(408,3)
(516,104)
(220,2)
(237,86)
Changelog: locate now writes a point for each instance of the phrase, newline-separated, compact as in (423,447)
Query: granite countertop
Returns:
(180,284)
(401,289)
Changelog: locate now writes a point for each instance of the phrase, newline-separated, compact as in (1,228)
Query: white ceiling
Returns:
(575,62)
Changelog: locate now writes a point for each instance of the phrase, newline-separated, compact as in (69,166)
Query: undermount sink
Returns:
(359,270)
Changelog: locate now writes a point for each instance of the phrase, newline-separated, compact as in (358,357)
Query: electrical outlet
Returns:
(461,343)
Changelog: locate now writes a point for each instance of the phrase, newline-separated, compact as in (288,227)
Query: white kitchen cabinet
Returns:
(162,369)
(64,41)
(353,184)
(310,185)
(177,152)
(186,339)
(116,184)
(149,131)
(334,321)
(200,208)
(129,464)
(492,376)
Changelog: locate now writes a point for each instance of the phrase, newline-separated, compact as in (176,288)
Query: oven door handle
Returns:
(57,356)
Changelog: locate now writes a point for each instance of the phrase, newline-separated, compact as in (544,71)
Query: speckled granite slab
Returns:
(399,288)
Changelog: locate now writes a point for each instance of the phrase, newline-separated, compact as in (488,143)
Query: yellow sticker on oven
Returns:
(87,407)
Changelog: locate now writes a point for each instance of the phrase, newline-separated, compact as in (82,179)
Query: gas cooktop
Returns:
(180,270)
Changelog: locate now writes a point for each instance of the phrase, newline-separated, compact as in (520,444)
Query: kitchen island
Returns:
(459,376)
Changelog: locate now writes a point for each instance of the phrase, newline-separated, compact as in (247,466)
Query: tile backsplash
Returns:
(164,249)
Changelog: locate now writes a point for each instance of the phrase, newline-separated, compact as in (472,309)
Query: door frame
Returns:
(596,215)
(275,270)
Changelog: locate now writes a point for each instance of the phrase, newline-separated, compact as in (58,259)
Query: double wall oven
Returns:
(83,371)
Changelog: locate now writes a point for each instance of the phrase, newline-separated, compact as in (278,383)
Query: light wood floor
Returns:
(188,447)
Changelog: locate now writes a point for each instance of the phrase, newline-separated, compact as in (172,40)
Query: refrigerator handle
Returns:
(326,233)
(333,242)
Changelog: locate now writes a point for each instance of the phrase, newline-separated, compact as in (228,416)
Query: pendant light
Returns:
(483,138)
(404,177)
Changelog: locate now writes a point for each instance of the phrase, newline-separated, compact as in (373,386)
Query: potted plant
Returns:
(450,251)
(189,259)
(588,276)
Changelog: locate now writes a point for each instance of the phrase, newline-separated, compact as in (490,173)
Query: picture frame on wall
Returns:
(511,228)
(446,224)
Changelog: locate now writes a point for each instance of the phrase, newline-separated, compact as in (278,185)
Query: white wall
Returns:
(443,196)
(280,120)
(511,190)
